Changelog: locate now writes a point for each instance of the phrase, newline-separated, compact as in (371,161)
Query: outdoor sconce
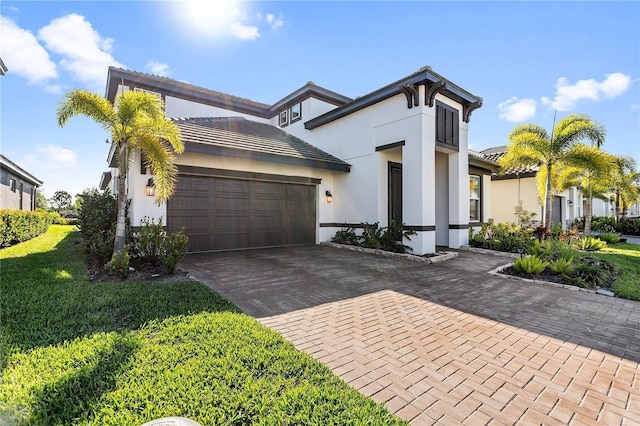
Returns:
(570,202)
(150,188)
(329,196)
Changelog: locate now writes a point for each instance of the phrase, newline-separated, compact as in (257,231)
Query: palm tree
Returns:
(588,168)
(624,181)
(530,145)
(136,122)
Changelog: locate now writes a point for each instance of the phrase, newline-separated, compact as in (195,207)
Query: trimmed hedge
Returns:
(17,226)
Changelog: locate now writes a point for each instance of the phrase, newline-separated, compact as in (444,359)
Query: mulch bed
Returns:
(142,272)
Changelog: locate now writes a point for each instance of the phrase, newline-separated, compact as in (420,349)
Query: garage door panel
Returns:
(242,213)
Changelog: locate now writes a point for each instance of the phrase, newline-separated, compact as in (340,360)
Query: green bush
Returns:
(603,224)
(591,272)
(529,265)
(119,263)
(501,237)
(590,244)
(609,238)
(393,236)
(346,235)
(371,236)
(541,249)
(97,223)
(562,266)
(566,252)
(149,241)
(17,226)
(176,245)
(629,226)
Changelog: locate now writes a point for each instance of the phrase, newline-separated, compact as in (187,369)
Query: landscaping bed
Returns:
(79,352)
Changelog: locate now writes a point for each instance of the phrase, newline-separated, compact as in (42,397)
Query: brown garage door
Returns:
(223,214)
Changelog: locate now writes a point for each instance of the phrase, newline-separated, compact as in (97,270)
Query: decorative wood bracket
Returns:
(431,90)
(469,108)
(412,94)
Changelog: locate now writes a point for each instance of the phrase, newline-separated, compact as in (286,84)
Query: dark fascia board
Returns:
(7,164)
(424,75)
(3,67)
(169,87)
(483,164)
(309,90)
(263,156)
(514,176)
(104,180)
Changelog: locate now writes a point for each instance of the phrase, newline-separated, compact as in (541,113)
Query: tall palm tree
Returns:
(136,122)
(530,145)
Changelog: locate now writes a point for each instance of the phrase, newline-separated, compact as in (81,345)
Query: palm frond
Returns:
(575,128)
(82,102)
(131,105)
(160,157)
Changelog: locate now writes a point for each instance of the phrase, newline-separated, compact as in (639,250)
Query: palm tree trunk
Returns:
(618,212)
(588,211)
(120,223)
(548,200)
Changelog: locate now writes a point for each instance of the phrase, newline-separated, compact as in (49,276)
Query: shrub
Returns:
(17,226)
(562,266)
(566,252)
(603,224)
(148,242)
(97,223)
(530,265)
(592,272)
(590,244)
(501,237)
(541,250)
(542,233)
(371,236)
(119,263)
(629,226)
(346,235)
(609,238)
(176,249)
(393,236)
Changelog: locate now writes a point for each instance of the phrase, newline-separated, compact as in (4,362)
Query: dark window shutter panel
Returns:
(143,166)
(456,128)
(440,124)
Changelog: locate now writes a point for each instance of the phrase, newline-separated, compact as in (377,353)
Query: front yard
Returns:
(626,258)
(76,352)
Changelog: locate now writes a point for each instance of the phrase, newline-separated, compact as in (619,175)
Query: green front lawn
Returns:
(76,352)
(626,257)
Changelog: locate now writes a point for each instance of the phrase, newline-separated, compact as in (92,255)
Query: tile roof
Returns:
(495,153)
(239,137)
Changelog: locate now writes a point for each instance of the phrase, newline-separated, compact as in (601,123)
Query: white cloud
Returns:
(567,94)
(517,110)
(50,157)
(244,32)
(635,107)
(274,22)
(23,55)
(85,53)
(55,89)
(159,68)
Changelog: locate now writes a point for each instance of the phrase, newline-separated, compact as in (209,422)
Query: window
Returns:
(284,118)
(474,198)
(12,184)
(296,113)
(447,125)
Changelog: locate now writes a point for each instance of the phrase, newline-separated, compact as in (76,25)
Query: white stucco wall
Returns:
(175,107)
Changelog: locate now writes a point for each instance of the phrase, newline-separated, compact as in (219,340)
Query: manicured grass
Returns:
(626,257)
(76,352)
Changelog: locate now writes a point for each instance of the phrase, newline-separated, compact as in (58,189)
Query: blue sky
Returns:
(526,59)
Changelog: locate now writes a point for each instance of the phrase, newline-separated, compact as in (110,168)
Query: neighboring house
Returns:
(17,186)
(517,187)
(295,172)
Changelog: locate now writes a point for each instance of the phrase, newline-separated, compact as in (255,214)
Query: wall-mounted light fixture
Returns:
(150,188)
(329,196)
(570,202)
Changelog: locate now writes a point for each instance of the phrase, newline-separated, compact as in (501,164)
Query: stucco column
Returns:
(459,191)
(418,181)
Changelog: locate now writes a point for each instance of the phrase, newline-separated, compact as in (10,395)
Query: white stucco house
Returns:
(517,187)
(296,171)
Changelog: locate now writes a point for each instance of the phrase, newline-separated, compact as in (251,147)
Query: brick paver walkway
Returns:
(444,343)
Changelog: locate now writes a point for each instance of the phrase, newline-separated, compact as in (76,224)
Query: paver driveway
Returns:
(443,343)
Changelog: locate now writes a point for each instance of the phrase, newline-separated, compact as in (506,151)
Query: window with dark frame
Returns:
(296,112)
(283,118)
(474,198)
(12,184)
(447,125)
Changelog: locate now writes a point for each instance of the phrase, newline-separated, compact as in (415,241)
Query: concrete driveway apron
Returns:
(443,343)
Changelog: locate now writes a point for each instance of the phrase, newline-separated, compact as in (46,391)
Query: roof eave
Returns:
(10,165)
(423,76)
